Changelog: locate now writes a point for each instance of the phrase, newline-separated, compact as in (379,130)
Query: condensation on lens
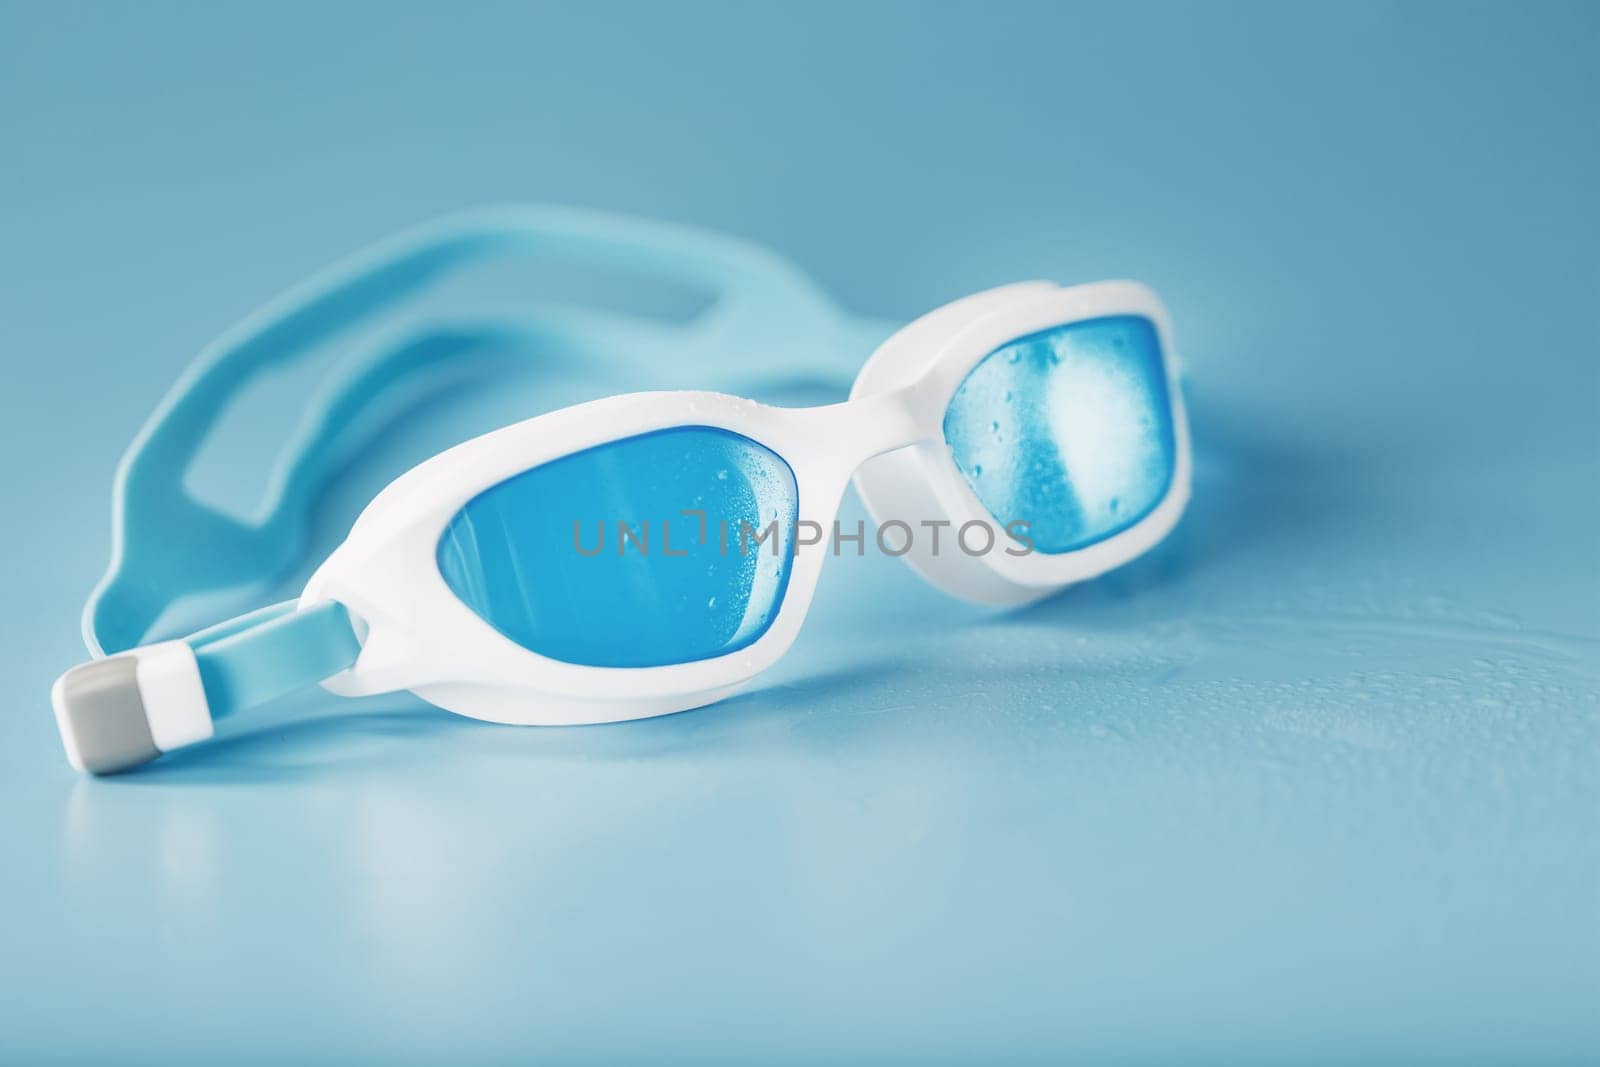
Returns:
(1069,429)
(592,559)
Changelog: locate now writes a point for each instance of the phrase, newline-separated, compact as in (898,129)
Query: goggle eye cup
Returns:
(1069,429)
(663,548)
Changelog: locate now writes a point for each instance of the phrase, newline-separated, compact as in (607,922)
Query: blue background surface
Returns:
(1317,779)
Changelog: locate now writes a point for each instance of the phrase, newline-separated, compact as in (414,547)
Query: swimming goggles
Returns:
(635,555)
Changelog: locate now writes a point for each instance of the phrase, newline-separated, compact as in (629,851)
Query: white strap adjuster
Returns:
(127,709)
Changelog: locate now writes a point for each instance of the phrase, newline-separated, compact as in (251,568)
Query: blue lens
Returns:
(664,548)
(1069,430)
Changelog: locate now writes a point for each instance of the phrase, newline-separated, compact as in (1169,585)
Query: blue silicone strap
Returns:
(168,545)
(271,652)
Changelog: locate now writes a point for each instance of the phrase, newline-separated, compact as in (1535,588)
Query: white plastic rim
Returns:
(421,637)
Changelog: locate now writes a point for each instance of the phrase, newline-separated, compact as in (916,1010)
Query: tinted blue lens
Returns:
(1069,429)
(591,558)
